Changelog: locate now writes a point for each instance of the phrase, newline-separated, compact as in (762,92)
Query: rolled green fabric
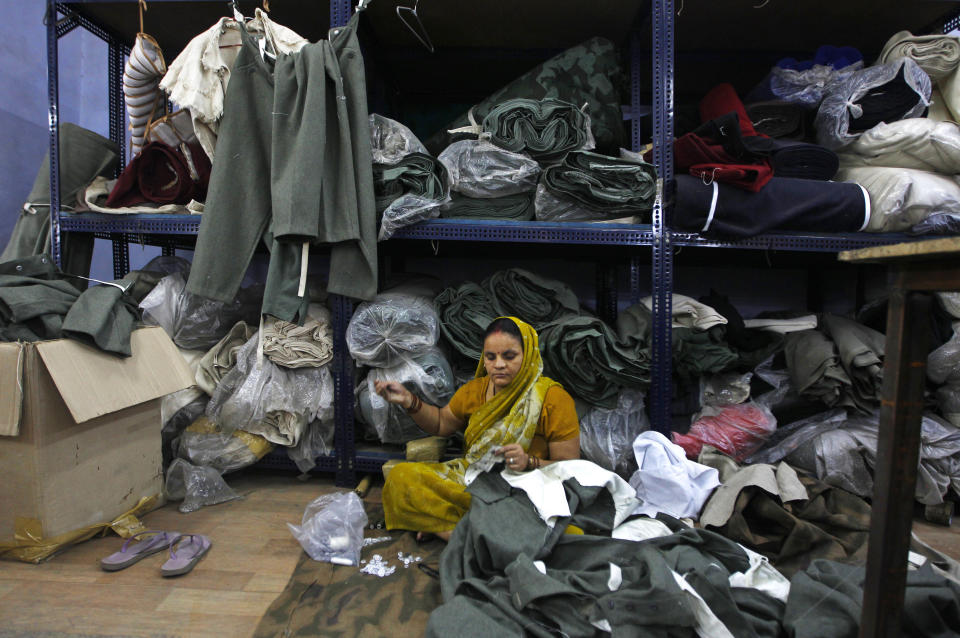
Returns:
(416,174)
(465,312)
(545,129)
(699,352)
(534,299)
(611,186)
(585,355)
(512,207)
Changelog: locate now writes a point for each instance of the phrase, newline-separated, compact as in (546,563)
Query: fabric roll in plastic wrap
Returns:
(409,191)
(141,87)
(901,198)
(804,82)
(607,435)
(736,430)
(607,186)
(391,141)
(546,129)
(205,444)
(392,328)
(783,204)
(584,354)
(881,93)
(918,143)
(534,299)
(477,168)
(508,208)
(465,312)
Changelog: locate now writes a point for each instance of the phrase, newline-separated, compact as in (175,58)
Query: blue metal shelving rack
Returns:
(656,237)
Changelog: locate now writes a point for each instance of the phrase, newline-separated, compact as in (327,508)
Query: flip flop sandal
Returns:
(184,554)
(128,555)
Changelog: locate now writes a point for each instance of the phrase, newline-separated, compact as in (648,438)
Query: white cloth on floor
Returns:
(690,313)
(544,487)
(640,529)
(763,576)
(783,326)
(667,481)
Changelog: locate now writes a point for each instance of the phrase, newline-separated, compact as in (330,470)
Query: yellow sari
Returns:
(431,497)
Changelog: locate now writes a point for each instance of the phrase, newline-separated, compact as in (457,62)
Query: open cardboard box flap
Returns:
(94,383)
(11,387)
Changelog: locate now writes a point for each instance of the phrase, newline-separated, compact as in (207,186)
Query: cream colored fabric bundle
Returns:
(293,346)
(141,87)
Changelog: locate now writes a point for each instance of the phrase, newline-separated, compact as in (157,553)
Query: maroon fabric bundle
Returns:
(163,174)
(723,99)
(704,158)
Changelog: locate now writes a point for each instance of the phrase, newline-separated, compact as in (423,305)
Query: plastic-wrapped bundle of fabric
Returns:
(804,82)
(584,354)
(465,312)
(409,191)
(391,329)
(517,208)
(861,354)
(306,346)
(901,198)
(918,143)
(606,186)
(391,141)
(784,203)
(427,375)
(316,441)
(266,399)
(480,169)
(841,451)
(587,73)
(537,300)
(736,430)
(814,366)
(203,443)
(881,93)
(607,435)
(546,129)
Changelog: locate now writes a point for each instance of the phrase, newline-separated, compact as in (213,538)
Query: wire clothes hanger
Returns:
(419,31)
(237,15)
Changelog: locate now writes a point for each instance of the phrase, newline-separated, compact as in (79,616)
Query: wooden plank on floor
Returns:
(197,601)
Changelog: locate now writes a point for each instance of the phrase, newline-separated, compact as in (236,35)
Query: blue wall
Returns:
(23,109)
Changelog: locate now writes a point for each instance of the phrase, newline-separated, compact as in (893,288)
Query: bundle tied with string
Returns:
(142,73)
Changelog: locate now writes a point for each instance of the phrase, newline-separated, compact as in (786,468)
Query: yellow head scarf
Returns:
(512,415)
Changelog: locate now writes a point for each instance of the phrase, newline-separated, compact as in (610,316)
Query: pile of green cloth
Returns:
(511,207)
(609,186)
(534,299)
(591,362)
(588,73)
(546,130)
(465,311)
(416,174)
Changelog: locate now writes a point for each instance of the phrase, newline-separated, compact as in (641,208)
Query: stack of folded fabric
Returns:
(546,130)
(409,191)
(537,300)
(465,312)
(598,187)
(510,207)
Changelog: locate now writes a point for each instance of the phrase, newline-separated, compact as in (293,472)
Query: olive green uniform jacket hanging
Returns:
(293,166)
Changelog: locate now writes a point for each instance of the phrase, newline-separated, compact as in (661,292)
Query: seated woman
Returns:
(509,407)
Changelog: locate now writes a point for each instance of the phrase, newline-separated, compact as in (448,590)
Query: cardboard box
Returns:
(80,429)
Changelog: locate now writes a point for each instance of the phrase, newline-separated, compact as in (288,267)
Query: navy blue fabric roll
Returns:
(784,204)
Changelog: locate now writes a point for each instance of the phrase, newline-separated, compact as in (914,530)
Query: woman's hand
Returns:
(515,456)
(393,392)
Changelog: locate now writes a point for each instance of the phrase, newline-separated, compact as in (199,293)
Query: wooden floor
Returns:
(252,558)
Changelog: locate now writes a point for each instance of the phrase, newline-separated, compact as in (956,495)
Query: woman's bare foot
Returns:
(426,536)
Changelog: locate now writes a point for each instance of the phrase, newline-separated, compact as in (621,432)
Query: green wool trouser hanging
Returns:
(511,208)
(293,166)
(613,187)
(546,130)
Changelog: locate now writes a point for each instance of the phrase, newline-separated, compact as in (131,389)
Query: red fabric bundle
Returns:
(163,174)
(737,431)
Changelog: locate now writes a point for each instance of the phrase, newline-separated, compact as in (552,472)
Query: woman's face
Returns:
(502,357)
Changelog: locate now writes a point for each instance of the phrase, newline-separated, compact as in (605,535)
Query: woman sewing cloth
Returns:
(509,407)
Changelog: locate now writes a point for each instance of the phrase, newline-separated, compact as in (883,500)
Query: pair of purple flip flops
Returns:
(186,550)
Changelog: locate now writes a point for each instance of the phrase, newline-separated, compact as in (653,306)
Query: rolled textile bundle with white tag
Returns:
(141,87)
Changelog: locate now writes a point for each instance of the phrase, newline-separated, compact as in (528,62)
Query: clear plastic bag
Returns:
(205,444)
(736,430)
(196,486)
(727,388)
(270,400)
(317,441)
(175,425)
(937,224)
(948,400)
(807,87)
(428,376)
(607,435)
(406,210)
(332,528)
(950,301)
(391,140)
(943,364)
(841,101)
(195,322)
(478,168)
(391,329)
(550,208)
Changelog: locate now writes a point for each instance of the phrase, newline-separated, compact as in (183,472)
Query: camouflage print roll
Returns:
(608,185)
(546,130)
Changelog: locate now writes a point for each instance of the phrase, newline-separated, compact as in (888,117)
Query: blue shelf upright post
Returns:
(662,271)
(53,123)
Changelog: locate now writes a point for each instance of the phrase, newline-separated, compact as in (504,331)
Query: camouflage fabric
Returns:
(587,73)
(339,601)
